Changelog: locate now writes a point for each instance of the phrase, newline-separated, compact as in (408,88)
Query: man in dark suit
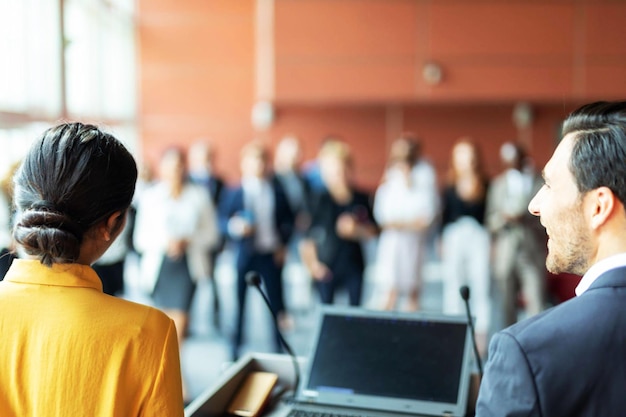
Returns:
(201,159)
(257,218)
(571,360)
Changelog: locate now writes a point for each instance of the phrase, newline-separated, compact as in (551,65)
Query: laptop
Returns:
(376,363)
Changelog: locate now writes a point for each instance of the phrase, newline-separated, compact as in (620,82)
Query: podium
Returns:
(214,401)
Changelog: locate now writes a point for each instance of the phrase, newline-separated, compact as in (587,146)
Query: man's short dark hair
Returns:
(599,155)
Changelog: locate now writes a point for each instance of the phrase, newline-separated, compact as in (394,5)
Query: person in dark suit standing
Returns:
(287,158)
(201,158)
(257,218)
(570,360)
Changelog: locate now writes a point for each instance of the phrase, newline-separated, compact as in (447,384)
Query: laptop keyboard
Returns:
(308,413)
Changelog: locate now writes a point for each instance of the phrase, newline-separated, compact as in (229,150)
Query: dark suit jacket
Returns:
(232,202)
(567,361)
(304,203)
(336,252)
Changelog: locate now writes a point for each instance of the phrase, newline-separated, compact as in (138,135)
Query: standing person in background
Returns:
(256,216)
(519,242)
(404,209)
(111,265)
(425,178)
(175,228)
(133,285)
(69,349)
(287,161)
(311,171)
(341,217)
(423,172)
(6,217)
(569,360)
(201,157)
(6,242)
(465,240)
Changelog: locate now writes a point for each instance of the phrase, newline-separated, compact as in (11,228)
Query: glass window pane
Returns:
(100,60)
(30,74)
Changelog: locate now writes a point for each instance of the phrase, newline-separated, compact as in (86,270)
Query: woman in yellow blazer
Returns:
(67,348)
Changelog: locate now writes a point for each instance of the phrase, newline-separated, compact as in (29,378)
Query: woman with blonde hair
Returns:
(341,217)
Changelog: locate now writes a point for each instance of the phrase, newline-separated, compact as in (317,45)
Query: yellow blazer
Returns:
(68,349)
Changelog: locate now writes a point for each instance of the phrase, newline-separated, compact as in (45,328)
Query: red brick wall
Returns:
(354,68)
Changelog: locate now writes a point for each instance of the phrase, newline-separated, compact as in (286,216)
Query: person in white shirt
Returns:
(175,227)
(405,205)
(570,360)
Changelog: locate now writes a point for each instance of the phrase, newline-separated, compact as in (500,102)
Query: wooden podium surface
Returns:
(214,401)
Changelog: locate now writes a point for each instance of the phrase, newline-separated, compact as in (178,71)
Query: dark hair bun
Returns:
(73,178)
(50,236)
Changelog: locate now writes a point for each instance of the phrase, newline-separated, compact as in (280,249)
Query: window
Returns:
(98,53)
(30,77)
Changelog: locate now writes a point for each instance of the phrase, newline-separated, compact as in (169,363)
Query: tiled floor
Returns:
(206,352)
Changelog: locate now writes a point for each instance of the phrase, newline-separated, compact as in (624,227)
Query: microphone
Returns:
(253,279)
(465,294)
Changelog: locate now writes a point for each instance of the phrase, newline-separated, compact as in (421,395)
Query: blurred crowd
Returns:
(284,209)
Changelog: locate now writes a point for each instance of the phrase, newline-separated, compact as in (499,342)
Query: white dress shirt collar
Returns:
(599,268)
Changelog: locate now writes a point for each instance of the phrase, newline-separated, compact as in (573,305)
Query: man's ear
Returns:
(601,203)
(112,224)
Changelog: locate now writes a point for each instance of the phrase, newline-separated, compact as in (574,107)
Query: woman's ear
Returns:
(113,224)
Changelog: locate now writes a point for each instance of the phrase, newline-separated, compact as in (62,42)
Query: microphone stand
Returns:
(253,279)
(465,294)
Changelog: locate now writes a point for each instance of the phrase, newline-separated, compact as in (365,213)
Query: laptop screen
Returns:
(409,361)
